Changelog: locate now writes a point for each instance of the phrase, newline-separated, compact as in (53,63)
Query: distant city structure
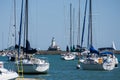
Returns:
(53,46)
(111,48)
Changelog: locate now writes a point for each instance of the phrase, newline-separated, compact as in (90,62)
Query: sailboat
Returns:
(95,60)
(10,51)
(6,74)
(27,63)
(69,55)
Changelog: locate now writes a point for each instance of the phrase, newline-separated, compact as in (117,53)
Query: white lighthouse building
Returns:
(53,46)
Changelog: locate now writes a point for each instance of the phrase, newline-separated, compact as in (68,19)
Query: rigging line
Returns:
(8,38)
(9,42)
(65,23)
(73,26)
(66,37)
(11,31)
(84,24)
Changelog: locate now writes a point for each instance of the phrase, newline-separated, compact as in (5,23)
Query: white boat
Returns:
(95,60)
(68,56)
(105,61)
(6,74)
(110,55)
(28,64)
(92,64)
(34,65)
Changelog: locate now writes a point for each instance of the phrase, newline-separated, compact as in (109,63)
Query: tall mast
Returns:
(26,18)
(90,25)
(90,19)
(70,26)
(26,25)
(21,17)
(15,19)
(78,36)
(84,23)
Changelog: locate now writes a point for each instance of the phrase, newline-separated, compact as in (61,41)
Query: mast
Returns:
(20,67)
(26,24)
(15,19)
(78,36)
(90,25)
(70,26)
(26,18)
(91,21)
(84,23)
(73,25)
(19,43)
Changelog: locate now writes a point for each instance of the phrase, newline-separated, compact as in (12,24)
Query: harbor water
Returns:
(66,70)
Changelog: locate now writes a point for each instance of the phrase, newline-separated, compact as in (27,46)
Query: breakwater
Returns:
(50,52)
(45,52)
(62,52)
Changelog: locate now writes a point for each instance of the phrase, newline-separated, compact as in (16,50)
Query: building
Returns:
(53,46)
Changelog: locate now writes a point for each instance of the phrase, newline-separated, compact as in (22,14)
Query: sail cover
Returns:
(28,49)
(92,50)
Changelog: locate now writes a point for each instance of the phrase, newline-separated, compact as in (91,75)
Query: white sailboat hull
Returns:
(8,76)
(69,57)
(5,74)
(97,66)
(35,68)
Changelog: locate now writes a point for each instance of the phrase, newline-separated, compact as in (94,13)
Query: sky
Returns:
(51,18)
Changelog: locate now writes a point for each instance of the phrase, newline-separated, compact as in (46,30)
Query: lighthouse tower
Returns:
(53,43)
(53,46)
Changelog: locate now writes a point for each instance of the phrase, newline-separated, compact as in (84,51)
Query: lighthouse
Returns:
(53,46)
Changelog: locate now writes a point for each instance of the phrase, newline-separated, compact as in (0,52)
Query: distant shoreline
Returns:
(116,51)
(62,52)
(46,52)
(50,52)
